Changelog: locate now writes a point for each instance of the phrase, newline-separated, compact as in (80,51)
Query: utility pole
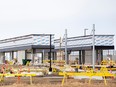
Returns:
(93,46)
(66,59)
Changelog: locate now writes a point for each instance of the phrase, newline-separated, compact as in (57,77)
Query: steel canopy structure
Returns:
(85,42)
(84,45)
(36,47)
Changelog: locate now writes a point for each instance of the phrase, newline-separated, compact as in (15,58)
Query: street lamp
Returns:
(85,32)
(50,69)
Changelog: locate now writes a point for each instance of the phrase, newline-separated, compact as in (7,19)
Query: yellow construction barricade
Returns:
(103,72)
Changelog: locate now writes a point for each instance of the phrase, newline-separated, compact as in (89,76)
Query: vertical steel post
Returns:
(80,62)
(66,46)
(93,46)
(42,56)
(50,69)
(32,52)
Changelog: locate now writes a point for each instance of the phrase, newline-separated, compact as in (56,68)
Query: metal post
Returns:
(80,62)
(32,53)
(93,46)
(83,56)
(50,69)
(42,56)
(3,57)
(60,48)
(85,32)
(66,46)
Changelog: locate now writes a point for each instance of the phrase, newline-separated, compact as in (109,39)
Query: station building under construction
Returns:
(36,47)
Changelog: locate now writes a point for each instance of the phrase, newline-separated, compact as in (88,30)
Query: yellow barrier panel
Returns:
(1,78)
(108,62)
(55,61)
(17,75)
(65,77)
(103,72)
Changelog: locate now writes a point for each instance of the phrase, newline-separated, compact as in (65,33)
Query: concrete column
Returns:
(3,57)
(80,57)
(83,56)
(32,55)
(53,55)
(11,55)
(42,57)
(68,54)
(25,54)
(68,58)
(97,57)
(101,55)
(48,55)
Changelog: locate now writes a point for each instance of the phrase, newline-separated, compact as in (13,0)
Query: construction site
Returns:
(41,60)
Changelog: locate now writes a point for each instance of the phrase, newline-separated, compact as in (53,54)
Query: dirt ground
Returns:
(48,82)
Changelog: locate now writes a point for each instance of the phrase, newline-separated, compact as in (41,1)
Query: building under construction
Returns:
(36,47)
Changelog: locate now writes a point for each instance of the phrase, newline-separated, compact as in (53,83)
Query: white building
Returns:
(37,46)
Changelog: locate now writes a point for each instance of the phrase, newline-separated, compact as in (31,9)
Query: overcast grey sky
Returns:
(22,17)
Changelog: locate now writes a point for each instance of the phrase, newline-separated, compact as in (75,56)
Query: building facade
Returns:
(80,48)
(31,46)
(37,46)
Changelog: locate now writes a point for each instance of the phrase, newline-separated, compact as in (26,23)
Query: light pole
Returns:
(50,69)
(85,32)
(66,57)
(93,46)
